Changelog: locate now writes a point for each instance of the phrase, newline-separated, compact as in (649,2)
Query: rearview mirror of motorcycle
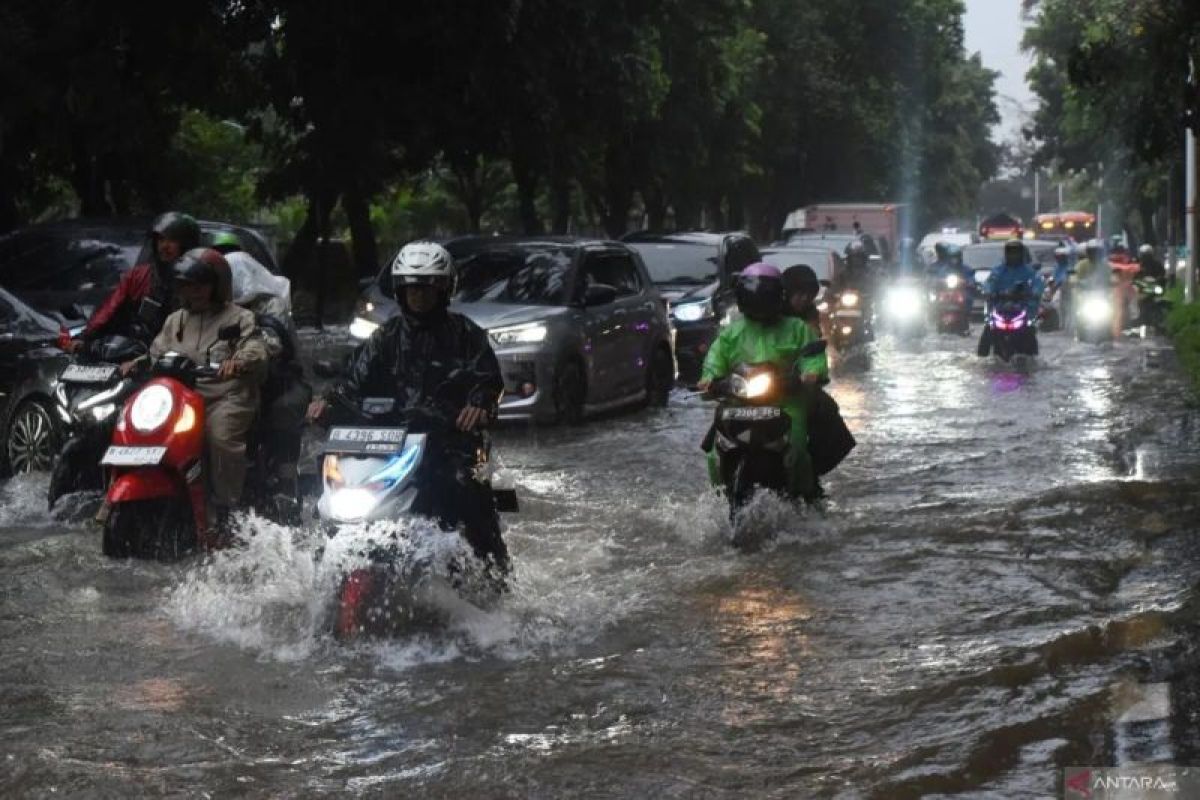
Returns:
(813,348)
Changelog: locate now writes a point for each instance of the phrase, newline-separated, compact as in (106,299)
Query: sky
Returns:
(994,29)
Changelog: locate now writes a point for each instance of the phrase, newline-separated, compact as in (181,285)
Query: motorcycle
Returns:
(950,305)
(156,505)
(1153,304)
(87,398)
(1009,329)
(751,431)
(394,463)
(1094,315)
(905,308)
(849,321)
(1050,315)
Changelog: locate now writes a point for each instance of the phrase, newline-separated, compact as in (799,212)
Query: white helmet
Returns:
(425,263)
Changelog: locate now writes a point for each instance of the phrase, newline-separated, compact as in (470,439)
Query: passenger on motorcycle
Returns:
(801,287)
(1150,264)
(145,295)
(231,400)
(412,356)
(765,335)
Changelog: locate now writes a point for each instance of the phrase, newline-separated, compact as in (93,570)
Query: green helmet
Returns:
(177,227)
(226,242)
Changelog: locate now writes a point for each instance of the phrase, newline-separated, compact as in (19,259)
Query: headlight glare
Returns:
(151,408)
(1095,309)
(850,299)
(692,312)
(529,333)
(362,328)
(348,505)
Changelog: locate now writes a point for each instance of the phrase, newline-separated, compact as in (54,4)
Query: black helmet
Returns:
(800,278)
(1014,252)
(759,293)
(178,227)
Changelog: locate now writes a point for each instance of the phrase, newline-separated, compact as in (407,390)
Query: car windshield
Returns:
(817,260)
(677,262)
(67,261)
(523,277)
(21,320)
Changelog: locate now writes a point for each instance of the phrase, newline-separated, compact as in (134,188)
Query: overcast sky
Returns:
(994,28)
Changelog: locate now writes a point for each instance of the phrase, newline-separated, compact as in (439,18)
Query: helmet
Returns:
(177,227)
(1146,251)
(759,293)
(425,263)
(942,250)
(226,242)
(205,265)
(1014,252)
(1062,253)
(800,278)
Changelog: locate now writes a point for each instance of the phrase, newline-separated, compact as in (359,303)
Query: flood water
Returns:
(1002,584)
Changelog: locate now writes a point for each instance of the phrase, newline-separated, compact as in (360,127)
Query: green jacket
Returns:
(748,342)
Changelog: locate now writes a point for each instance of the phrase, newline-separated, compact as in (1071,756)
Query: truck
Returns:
(885,222)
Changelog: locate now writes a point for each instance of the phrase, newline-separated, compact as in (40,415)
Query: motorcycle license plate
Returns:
(848,312)
(76,373)
(365,440)
(750,414)
(133,456)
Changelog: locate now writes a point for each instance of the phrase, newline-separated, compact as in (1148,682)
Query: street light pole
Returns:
(1190,201)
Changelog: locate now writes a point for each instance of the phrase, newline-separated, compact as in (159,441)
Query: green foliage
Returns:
(1183,325)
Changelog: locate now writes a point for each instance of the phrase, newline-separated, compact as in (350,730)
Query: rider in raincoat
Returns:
(765,335)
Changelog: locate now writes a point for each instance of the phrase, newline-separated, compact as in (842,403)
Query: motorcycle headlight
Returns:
(1095,309)
(850,299)
(1158,290)
(362,328)
(751,388)
(903,302)
(530,333)
(348,505)
(692,312)
(953,281)
(151,408)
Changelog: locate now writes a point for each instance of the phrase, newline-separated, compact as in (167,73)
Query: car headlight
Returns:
(529,333)
(151,408)
(348,505)
(692,312)
(1095,309)
(362,328)
(952,281)
(849,299)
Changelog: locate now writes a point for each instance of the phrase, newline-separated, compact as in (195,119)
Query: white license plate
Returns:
(133,456)
(367,436)
(80,374)
(757,414)
(847,312)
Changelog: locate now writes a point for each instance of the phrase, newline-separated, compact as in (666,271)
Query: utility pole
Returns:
(1060,197)
(1037,192)
(1190,199)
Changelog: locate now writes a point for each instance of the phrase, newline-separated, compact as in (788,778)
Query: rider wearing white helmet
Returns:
(411,359)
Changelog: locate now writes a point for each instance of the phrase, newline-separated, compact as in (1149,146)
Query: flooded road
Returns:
(1001,585)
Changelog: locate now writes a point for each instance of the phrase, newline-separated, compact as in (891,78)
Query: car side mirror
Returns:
(599,294)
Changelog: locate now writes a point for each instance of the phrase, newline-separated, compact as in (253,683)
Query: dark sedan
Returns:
(29,366)
(695,273)
(64,269)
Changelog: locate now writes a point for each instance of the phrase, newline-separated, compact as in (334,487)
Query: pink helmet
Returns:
(761,269)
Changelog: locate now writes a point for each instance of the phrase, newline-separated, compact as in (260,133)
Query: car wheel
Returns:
(31,439)
(660,377)
(570,392)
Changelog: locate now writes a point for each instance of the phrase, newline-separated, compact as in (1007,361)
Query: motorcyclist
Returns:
(765,335)
(801,287)
(950,262)
(144,297)
(1014,275)
(1093,270)
(856,273)
(1150,264)
(411,357)
(231,400)
(1062,280)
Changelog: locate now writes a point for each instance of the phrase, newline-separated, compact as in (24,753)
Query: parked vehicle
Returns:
(577,324)
(29,366)
(65,269)
(694,272)
(88,396)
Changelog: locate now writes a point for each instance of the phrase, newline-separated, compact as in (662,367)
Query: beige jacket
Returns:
(193,334)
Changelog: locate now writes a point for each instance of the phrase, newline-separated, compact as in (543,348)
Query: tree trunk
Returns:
(86,180)
(560,204)
(618,192)
(362,233)
(656,206)
(527,184)
(1146,212)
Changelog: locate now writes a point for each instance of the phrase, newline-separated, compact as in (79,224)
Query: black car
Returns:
(65,269)
(29,366)
(694,272)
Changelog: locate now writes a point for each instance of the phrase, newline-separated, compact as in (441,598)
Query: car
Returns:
(65,269)
(957,237)
(577,324)
(837,241)
(29,367)
(982,258)
(825,263)
(695,271)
